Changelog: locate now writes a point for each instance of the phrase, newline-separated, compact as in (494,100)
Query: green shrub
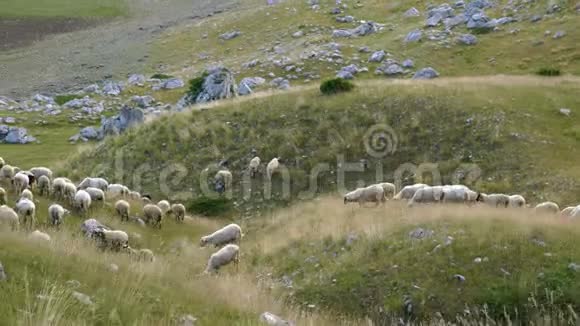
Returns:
(161,76)
(550,72)
(336,85)
(196,86)
(62,99)
(210,206)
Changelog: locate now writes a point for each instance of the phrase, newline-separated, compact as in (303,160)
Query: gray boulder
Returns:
(535,18)
(172,83)
(348,72)
(136,80)
(414,36)
(112,88)
(15,135)
(280,83)
(143,101)
(452,22)
(426,73)
(467,39)
(366,29)
(390,68)
(408,63)
(478,21)
(341,33)
(345,19)
(92,89)
(413,12)
(127,118)
(91,226)
(79,103)
(218,84)
(433,21)
(230,35)
(247,85)
(443,11)
(39,98)
(476,6)
(559,34)
(89,133)
(377,56)
(9,120)
(268,318)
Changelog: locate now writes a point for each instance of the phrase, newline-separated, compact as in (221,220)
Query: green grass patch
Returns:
(210,207)
(62,8)
(548,72)
(62,99)
(161,76)
(336,85)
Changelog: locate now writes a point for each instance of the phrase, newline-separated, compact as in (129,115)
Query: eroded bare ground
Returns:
(56,55)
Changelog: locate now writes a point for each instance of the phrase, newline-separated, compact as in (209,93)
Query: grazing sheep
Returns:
(134,195)
(178,210)
(20,182)
(568,211)
(373,193)
(142,254)
(97,195)
(408,191)
(56,214)
(3,196)
(122,208)
(27,210)
(272,166)
(27,194)
(117,190)
(459,194)
(164,205)
(39,236)
(82,201)
(91,226)
(517,201)
(224,256)
(112,239)
(2,162)
(224,176)
(43,184)
(152,214)
(388,188)
(547,207)
(146,200)
(58,187)
(426,195)
(228,234)
(69,193)
(575,212)
(8,216)
(41,171)
(95,183)
(254,166)
(7,172)
(494,200)
(30,176)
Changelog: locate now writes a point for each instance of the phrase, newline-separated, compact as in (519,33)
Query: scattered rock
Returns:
(15,135)
(230,35)
(349,71)
(363,29)
(113,268)
(73,283)
(536,18)
(9,120)
(127,118)
(187,320)
(478,21)
(89,133)
(90,226)
(459,277)
(433,21)
(408,63)
(39,98)
(565,111)
(443,11)
(341,33)
(112,88)
(136,80)
(420,233)
(377,56)
(414,36)
(83,298)
(559,34)
(91,89)
(413,12)
(345,19)
(270,319)
(3,276)
(298,34)
(218,84)
(452,22)
(248,83)
(143,101)
(251,63)
(426,73)
(335,11)
(280,83)
(172,83)
(574,267)
(467,39)
(390,69)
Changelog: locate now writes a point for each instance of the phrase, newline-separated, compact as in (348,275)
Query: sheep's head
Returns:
(203,241)
(480,197)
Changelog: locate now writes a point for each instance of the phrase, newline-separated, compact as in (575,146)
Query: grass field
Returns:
(61,8)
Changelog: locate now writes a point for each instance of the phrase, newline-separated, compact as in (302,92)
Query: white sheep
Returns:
(20,182)
(112,239)
(27,210)
(547,207)
(58,185)
(97,195)
(408,191)
(373,193)
(82,201)
(122,208)
(272,167)
(3,196)
(575,212)
(152,214)
(517,201)
(39,236)
(427,195)
(8,216)
(231,233)
(43,184)
(56,214)
(2,162)
(494,200)
(389,189)
(142,254)
(229,253)
(459,194)
(134,195)
(225,177)
(41,171)
(117,190)
(27,194)
(568,211)
(95,183)
(7,172)
(164,205)
(178,210)
(254,166)
(69,193)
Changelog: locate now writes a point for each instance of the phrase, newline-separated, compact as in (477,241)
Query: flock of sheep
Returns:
(92,191)
(459,194)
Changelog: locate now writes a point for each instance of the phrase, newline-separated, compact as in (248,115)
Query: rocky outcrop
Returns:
(15,135)
(127,118)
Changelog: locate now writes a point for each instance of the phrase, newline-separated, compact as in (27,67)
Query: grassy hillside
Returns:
(455,124)
(61,8)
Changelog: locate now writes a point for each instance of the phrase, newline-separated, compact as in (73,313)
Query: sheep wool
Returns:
(408,191)
(20,182)
(27,194)
(164,205)
(113,239)
(97,195)
(222,257)
(41,171)
(517,201)
(3,196)
(39,236)
(388,188)
(178,211)
(43,183)
(373,193)
(426,195)
(117,190)
(122,208)
(9,217)
(254,166)
(82,201)
(228,234)
(547,207)
(95,183)
(56,214)
(272,166)
(26,209)
(7,172)
(152,214)
(494,200)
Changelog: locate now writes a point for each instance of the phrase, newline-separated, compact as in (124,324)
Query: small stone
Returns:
(230,35)
(377,56)
(298,34)
(187,320)
(426,73)
(412,12)
(565,112)
(3,276)
(114,268)
(408,63)
(559,34)
(477,260)
(467,39)
(420,233)
(270,319)
(83,298)
(574,267)
(459,277)
(414,36)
